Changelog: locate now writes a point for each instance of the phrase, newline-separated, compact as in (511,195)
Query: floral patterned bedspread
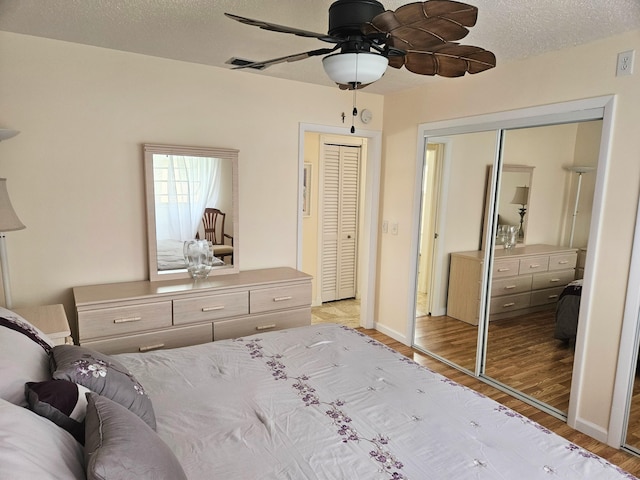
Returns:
(327,402)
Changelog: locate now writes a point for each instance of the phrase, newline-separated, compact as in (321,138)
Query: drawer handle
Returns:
(151,347)
(212,309)
(534,265)
(508,305)
(265,327)
(127,320)
(552,296)
(282,299)
(554,280)
(509,287)
(504,269)
(563,262)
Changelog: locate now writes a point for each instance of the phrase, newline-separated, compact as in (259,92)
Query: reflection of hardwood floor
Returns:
(633,430)
(521,353)
(626,461)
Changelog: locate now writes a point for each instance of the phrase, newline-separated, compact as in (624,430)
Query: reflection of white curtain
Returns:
(182,192)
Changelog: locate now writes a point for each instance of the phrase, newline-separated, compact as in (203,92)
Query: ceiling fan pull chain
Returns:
(355,110)
(354,114)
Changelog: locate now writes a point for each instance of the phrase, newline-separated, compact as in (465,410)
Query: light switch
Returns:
(394,228)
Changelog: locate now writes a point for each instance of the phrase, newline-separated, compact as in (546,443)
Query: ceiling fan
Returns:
(419,36)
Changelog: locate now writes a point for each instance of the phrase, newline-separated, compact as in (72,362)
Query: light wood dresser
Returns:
(524,279)
(143,316)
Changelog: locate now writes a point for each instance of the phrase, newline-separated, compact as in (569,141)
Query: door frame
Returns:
(369,251)
(628,354)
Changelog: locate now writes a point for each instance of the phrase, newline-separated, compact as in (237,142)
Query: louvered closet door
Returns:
(341,171)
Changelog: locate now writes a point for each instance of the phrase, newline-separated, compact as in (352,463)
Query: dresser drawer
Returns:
(211,307)
(146,342)
(511,285)
(534,264)
(560,262)
(505,267)
(545,297)
(559,278)
(114,321)
(268,322)
(278,298)
(509,303)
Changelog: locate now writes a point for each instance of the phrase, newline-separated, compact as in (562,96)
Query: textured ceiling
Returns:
(197,31)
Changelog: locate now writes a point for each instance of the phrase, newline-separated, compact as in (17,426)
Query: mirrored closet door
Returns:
(453,199)
(504,227)
(534,296)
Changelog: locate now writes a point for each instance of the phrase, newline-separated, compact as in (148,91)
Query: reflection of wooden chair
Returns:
(213,222)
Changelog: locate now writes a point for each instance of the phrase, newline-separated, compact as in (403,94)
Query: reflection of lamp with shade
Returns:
(521,197)
(9,221)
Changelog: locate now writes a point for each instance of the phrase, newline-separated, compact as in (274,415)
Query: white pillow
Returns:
(23,356)
(34,447)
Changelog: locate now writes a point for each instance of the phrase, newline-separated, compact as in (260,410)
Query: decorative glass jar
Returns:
(198,255)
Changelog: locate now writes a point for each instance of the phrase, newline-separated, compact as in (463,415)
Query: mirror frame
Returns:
(221,153)
(506,168)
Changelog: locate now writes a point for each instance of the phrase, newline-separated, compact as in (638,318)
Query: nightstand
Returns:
(51,319)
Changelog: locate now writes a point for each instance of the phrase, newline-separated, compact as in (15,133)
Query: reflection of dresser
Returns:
(525,280)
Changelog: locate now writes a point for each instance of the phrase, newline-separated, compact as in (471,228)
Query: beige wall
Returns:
(310,230)
(75,172)
(570,74)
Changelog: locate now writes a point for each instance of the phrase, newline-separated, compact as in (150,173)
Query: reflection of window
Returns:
(182,187)
(172,181)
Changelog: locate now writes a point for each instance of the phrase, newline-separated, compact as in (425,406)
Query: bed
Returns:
(171,255)
(317,402)
(567,310)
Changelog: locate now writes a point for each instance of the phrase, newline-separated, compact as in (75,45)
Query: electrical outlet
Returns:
(625,63)
(394,228)
(385,226)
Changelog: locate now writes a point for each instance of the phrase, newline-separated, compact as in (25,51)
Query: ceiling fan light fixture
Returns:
(355,68)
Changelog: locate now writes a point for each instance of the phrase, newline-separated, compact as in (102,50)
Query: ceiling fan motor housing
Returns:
(347,16)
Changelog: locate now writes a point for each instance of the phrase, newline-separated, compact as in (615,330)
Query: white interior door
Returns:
(340,200)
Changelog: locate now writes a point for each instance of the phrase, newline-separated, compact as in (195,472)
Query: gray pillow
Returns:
(120,446)
(103,375)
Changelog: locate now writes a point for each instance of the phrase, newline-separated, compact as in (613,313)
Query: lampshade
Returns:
(580,168)
(9,221)
(348,68)
(522,196)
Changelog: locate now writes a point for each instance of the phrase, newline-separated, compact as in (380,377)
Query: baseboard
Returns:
(595,431)
(393,334)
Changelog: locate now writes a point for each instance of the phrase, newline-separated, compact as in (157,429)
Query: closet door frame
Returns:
(628,354)
(567,112)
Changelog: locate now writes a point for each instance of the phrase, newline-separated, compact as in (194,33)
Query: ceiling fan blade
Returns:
(455,11)
(289,58)
(450,60)
(283,29)
(424,25)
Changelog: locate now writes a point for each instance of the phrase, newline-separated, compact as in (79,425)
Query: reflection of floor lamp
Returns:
(579,170)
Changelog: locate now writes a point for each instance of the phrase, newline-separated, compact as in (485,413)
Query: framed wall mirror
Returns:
(186,187)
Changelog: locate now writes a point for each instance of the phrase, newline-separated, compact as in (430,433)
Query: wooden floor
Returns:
(521,353)
(628,462)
